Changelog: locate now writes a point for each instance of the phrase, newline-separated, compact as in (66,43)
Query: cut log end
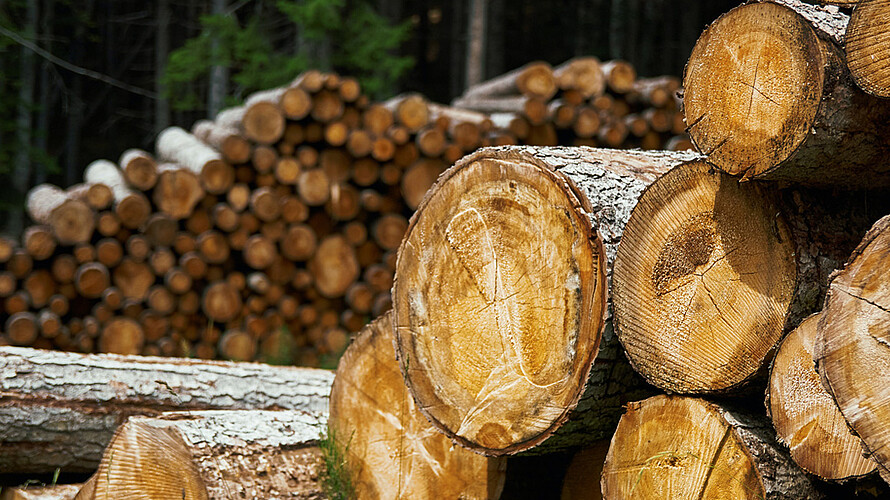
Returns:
(866,44)
(851,342)
(673,447)
(367,397)
(804,414)
(744,130)
(703,281)
(503,232)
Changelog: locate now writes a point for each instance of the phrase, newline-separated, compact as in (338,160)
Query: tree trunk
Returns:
(532,80)
(678,447)
(805,416)
(219,454)
(217,90)
(798,117)
(177,192)
(139,169)
(475,62)
(21,171)
(90,395)
(373,420)
(851,342)
(131,206)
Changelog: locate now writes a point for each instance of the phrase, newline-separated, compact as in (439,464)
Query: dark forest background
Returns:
(83,80)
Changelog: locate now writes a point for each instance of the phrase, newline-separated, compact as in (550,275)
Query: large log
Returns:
(177,192)
(768,96)
(711,272)
(139,169)
(680,447)
(131,206)
(851,343)
(582,74)
(72,220)
(178,146)
(61,409)
(804,415)
(234,147)
(219,454)
(505,300)
(374,421)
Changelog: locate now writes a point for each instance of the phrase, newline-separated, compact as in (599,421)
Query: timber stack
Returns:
(267,233)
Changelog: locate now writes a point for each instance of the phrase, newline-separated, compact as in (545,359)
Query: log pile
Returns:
(583,102)
(270,232)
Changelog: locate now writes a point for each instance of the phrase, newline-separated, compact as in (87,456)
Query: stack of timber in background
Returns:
(270,232)
(583,103)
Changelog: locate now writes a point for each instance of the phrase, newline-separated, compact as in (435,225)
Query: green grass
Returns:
(336,479)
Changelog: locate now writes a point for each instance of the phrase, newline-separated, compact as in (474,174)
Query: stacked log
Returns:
(583,102)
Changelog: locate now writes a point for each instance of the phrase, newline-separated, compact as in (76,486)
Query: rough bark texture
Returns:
(178,146)
(798,117)
(676,447)
(220,454)
(391,450)
(60,409)
(605,185)
(71,219)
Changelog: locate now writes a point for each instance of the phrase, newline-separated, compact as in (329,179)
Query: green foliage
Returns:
(361,43)
(336,480)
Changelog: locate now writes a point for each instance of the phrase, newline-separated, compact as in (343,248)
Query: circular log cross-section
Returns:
(374,419)
(681,447)
(804,414)
(503,233)
(768,96)
(866,43)
(702,282)
(851,343)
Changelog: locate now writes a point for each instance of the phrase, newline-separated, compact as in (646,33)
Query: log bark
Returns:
(234,147)
(218,454)
(475,366)
(72,220)
(61,409)
(532,80)
(851,343)
(671,446)
(798,117)
(865,42)
(374,420)
(620,76)
(139,169)
(39,242)
(130,205)
(97,196)
(583,74)
(178,146)
(804,414)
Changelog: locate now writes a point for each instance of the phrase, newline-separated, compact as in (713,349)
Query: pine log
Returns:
(96,196)
(160,229)
(109,253)
(122,336)
(389,230)
(533,80)
(475,366)
(377,118)
(583,74)
(39,242)
(409,111)
(92,279)
(374,420)
(804,414)
(263,120)
(237,345)
(108,224)
(620,76)
(39,286)
(678,447)
(72,220)
(131,206)
(418,179)
(700,303)
(133,278)
(175,145)
(234,147)
(326,107)
(221,302)
(90,395)
(139,169)
(851,343)
(314,187)
(334,266)
(21,328)
(799,117)
(220,454)
(177,192)
(21,264)
(866,43)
